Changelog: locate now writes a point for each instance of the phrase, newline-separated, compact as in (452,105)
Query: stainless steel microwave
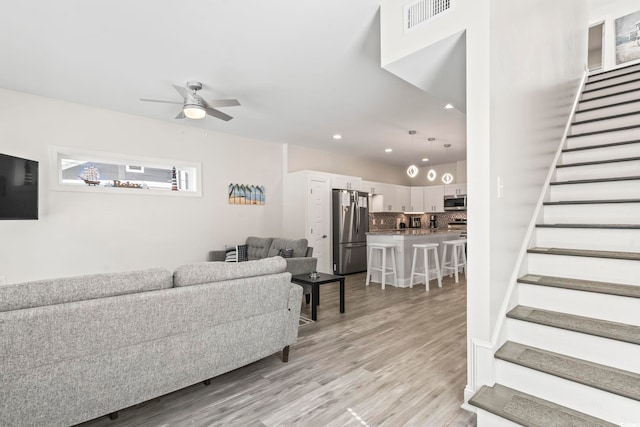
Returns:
(455,203)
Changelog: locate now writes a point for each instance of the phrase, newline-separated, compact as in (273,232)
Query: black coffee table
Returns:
(304,279)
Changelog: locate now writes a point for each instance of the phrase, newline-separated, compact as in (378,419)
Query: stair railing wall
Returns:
(479,363)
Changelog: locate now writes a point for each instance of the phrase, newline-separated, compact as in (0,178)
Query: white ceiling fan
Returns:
(194,106)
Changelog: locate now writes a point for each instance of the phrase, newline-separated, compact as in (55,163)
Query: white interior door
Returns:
(320,222)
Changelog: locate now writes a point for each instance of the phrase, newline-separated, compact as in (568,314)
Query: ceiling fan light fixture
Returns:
(192,111)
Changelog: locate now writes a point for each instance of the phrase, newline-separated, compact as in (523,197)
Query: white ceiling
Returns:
(302,70)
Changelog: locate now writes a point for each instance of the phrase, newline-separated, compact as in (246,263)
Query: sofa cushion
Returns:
(299,247)
(258,247)
(209,272)
(80,288)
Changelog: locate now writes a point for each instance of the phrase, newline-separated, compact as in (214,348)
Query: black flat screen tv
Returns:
(18,188)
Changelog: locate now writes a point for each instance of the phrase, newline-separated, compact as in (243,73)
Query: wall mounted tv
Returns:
(18,188)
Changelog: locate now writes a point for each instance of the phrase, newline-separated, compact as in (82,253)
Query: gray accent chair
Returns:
(74,349)
(302,261)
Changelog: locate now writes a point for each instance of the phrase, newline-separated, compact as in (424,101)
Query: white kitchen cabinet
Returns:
(455,189)
(434,198)
(417,199)
(371,187)
(402,199)
(345,182)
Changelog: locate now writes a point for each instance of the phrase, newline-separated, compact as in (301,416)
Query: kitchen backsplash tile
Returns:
(381,221)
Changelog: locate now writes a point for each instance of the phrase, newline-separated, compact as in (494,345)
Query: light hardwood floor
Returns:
(396,357)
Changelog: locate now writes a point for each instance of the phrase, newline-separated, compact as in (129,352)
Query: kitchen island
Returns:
(404,239)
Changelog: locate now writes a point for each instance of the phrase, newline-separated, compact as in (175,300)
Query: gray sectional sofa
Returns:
(302,261)
(78,348)
(263,247)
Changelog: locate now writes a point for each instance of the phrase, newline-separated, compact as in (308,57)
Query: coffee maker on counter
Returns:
(432,222)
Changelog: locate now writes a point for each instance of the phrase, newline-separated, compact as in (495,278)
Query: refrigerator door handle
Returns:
(359,245)
(357,208)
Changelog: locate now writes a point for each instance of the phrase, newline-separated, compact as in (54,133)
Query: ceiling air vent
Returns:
(422,11)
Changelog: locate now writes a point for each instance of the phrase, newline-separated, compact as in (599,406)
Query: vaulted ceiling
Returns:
(302,70)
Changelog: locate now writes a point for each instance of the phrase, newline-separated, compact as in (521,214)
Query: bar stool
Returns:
(426,248)
(382,267)
(457,257)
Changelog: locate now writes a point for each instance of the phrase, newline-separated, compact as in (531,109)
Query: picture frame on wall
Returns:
(628,38)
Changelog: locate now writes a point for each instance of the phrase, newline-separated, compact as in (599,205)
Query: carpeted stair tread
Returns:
(633,256)
(602,107)
(591,202)
(571,322)
(609,74)
(530,411)
(599,146)
(630,291)
(591,374)
(598,162)
(598,226)
(595,180)
(610,85)
(609,95)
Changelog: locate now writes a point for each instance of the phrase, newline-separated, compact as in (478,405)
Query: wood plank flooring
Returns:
(396,357)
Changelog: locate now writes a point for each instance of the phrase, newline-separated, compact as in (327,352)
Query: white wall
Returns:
(82,233)
(537,58)
(607,12)
(305,158)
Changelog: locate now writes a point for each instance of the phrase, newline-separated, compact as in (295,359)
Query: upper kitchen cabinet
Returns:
(402,199)
(371,187)
(417,199)
(455,189)
(434,198)
(345,182)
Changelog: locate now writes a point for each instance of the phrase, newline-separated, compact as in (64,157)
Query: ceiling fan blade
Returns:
(182,91)
(159,100)
(223,103)
(180,115)
(218,114)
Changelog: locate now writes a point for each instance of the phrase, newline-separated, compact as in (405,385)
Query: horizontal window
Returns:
(94,171)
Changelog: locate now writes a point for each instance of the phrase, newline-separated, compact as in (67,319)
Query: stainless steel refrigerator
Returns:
(350,227)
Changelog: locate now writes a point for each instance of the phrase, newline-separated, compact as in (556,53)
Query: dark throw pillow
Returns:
(285,253)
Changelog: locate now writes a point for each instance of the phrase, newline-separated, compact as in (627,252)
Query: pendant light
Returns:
(412,170)
(431,175)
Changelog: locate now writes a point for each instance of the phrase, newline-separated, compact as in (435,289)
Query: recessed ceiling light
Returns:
(448,107)
(337,136)
(425,160)
(388,150)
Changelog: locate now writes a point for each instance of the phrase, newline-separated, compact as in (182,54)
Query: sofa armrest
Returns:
(302,265)
(217,255)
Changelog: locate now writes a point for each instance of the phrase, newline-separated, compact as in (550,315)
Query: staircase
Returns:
(572,354)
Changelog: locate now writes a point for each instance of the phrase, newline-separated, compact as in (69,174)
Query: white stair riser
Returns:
(602,170)
(605,124)
(622,71)
(604,138)
(588,304)
(613,99)
(626,213)
(596,191)
(624,151)
(612,81)
(589,238)
(617,354)
(582,398)
(630,107)
(586,268)
(487,419)
(632,85)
